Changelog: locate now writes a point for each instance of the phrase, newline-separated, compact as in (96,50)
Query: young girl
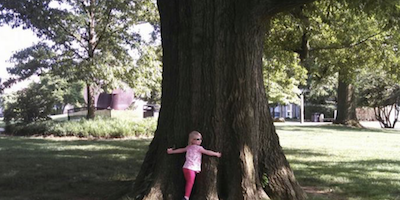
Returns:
(193,159)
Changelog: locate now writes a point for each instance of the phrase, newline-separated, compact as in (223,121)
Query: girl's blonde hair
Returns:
(192,135)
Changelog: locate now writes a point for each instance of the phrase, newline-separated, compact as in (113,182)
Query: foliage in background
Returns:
(63,91)
(380,91)
(333,41)
(326,109)
(327,37)
(283,73)
(92,41)
(38,100)
(324,90)
(27,105)
(87,40)
(99,128)
(146,77)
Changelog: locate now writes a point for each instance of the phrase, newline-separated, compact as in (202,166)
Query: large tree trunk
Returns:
(90,102)
(346,105)
(213,83)
(92,43)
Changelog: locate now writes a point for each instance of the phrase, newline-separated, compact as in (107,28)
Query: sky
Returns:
(11,41)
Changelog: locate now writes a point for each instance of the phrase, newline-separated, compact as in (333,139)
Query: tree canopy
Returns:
(329,38)
(38,100)
(88,40)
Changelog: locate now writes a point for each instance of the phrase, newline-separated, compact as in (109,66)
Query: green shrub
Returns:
(105,128)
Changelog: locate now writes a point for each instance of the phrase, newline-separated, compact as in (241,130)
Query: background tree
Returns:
(378,86)
(282,72)
(380,92)
(63,92)
(332,39)
(90,40)
(28,62)
(39,100)
(299,32)
(147,76)
(362,29)
(351,51)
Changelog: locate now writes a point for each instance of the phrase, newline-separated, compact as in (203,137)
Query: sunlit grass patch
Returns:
(351,163)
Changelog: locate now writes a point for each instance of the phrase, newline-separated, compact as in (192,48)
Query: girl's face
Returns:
(197,139)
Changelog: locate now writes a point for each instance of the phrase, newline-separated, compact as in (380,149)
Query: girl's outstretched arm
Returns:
(172,151)
(210,153)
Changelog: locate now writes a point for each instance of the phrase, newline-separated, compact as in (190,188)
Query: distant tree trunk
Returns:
(63,106)
(90,102)
(273,111)
(92,43)
(213,83)
(346,105)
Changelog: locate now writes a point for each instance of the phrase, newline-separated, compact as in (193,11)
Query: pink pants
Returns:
(190,175)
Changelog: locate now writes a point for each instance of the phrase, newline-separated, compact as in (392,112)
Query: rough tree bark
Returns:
(92,41)
(90,102)
(346,105)
(213,83)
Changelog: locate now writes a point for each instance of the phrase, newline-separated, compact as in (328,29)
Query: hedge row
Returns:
(104,128)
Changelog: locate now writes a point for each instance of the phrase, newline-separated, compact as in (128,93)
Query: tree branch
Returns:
(77,37)
(84,7)
(101,34)
(273,7)
(348,46)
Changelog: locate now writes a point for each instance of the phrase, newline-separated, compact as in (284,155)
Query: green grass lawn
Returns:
(330,162)
(335,162)
(76,169)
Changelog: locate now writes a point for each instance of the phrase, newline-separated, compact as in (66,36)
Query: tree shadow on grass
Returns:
(359,179)
(78,169)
